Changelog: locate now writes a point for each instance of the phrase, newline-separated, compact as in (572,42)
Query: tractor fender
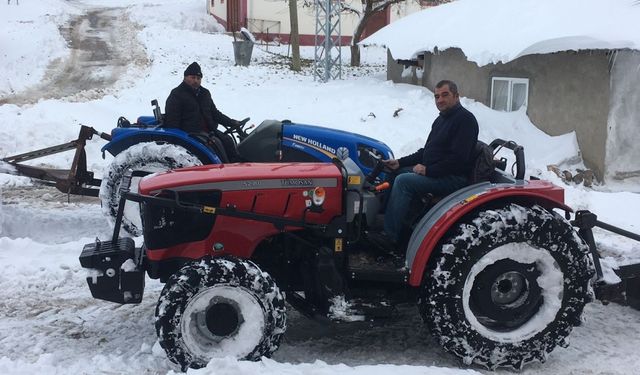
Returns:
(123,138)
(447,213)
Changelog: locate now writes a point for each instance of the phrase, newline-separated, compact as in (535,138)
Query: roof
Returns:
(491,31)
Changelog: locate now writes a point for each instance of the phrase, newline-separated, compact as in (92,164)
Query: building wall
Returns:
(405,8)
(217,8)
(399,73)
(623,153)
(567,91)
(269,19)
(277,12)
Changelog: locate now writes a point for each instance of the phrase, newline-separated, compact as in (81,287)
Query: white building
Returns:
(268,20)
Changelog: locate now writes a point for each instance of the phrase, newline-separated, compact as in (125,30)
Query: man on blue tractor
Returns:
(190,108)
(441,167)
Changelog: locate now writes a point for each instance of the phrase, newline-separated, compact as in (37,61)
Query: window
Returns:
(509,94)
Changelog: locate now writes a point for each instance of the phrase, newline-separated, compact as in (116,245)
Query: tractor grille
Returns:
(168,226)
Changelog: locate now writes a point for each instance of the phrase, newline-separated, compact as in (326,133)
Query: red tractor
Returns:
(499,277)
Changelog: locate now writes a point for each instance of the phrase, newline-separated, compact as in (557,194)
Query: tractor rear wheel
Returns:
(507,286)
(219,307)
(147,157)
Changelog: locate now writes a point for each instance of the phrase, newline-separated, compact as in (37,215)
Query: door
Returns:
(235,15)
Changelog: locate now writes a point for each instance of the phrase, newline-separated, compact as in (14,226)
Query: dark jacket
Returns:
(193,113)
(449,147)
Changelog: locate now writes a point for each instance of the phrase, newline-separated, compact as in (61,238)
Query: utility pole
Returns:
(328,55)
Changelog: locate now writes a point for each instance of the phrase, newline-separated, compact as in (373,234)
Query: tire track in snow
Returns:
(46,215)
(103,48)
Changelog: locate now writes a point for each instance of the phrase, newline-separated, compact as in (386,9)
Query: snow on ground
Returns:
(49,322)
(24,64)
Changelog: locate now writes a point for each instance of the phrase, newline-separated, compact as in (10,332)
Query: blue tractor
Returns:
(147,146)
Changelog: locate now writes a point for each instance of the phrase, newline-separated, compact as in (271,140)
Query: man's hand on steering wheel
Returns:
(237,126)
(391,164)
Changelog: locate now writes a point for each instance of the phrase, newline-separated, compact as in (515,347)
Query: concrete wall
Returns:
(623,153)
(403,74)
(567,91)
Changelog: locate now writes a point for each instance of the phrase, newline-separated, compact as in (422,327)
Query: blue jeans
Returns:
(409,185)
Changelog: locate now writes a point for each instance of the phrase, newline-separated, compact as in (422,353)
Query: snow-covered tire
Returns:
(507,286)
(219,307)
(148,157)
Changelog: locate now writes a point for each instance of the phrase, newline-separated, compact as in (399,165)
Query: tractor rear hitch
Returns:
(589,219)
(76,180)
(585,220)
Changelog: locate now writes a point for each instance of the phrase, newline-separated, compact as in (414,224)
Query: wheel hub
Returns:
(221,318)
(490,310)
(508,288)
(506,294)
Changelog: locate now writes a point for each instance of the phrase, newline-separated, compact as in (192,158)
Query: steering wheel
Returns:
(238,127)
(375,172)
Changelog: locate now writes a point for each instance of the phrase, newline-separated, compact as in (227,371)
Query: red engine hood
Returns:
(243,176)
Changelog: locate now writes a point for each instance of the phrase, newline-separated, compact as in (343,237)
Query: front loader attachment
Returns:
(76,180)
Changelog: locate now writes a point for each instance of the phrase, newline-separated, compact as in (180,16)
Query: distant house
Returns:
(573,64)
(268,20)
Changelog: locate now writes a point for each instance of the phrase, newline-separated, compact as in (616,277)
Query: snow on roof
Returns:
(491,31)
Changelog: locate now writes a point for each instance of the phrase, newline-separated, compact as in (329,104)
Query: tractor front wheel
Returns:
(219,307)
(507,287)
(147,157)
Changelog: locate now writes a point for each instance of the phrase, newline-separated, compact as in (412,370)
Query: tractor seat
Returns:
(483,169)
(213,143)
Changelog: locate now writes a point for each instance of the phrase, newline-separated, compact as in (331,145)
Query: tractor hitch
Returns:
(76,180)
(585,220)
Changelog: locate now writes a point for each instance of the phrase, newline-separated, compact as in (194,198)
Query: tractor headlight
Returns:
(317,196)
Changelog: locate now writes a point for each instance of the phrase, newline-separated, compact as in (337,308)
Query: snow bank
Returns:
(503,30)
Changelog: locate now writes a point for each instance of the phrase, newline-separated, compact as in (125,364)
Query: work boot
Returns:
(386,249)
(383,242)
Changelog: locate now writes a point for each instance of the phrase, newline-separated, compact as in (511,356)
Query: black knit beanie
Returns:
(193,70)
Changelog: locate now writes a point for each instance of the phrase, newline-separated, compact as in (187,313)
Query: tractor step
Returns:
(373,267)
(342,310)
(359,310)
(372,310)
